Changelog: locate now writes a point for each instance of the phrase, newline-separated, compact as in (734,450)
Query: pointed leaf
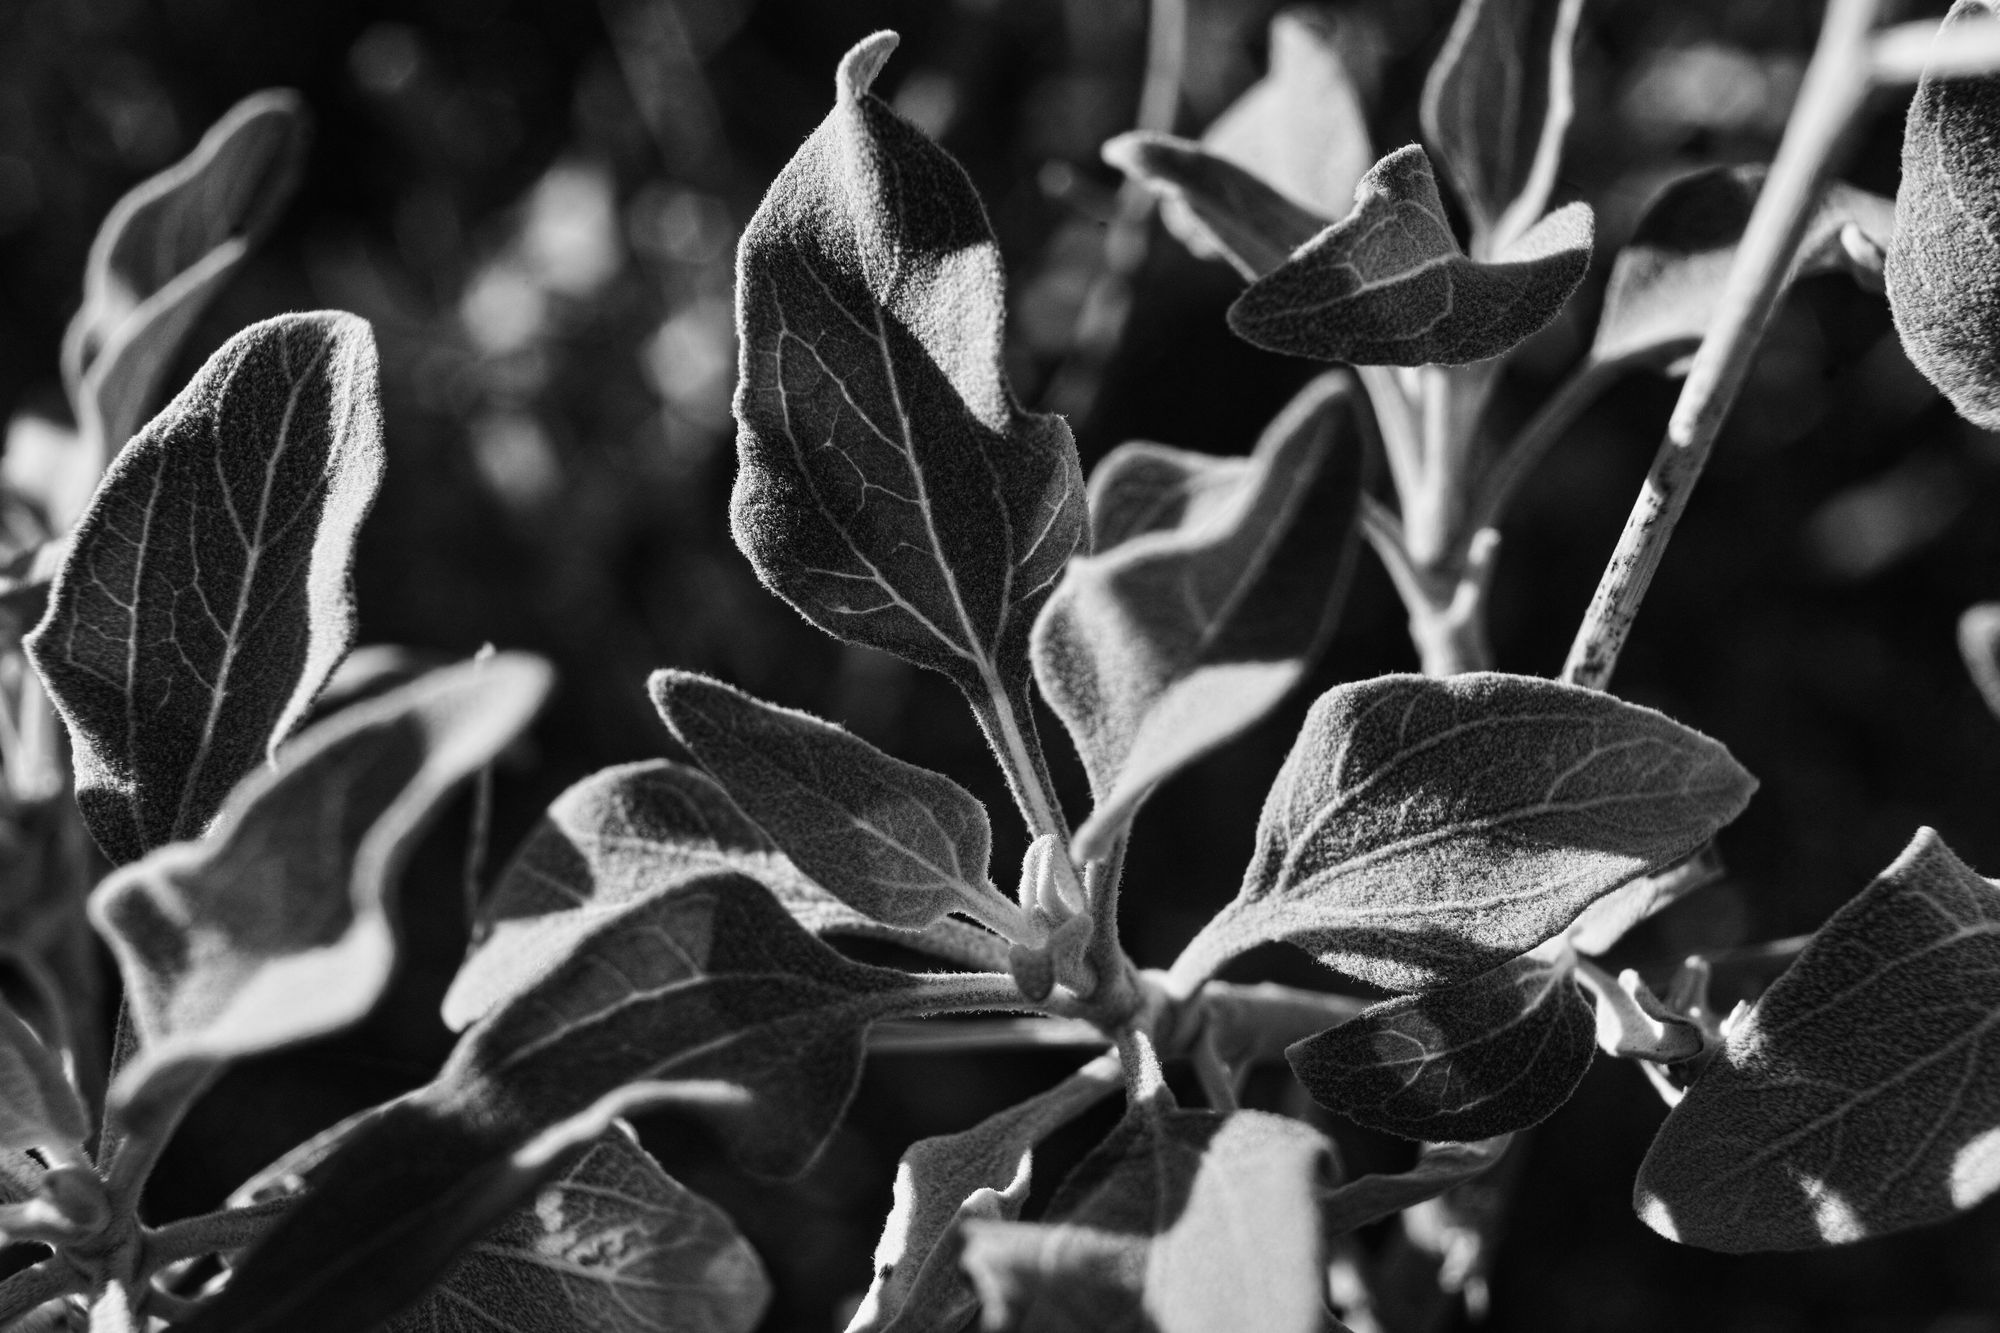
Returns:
(1667,281)
(1425,831)
(1862,1094)
(1439,1167)
(206,597)
(1496,107)
(274,929)
(1943,271)
(635,831)
(1388,284)
(612,1244)
(38,1106)
(1483,1058)
(897,843)
(1156,650)
(890,487)
(1979,645)
(1187,1222)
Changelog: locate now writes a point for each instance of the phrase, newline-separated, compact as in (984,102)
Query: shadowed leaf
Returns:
(38,1107)
(206,596)
(1602,924)
(1862,1094)
(1425,831)
(1440,1166)
(1388,284)
(1473,1061)
(1214,585)
(1979,645)
(1216,208)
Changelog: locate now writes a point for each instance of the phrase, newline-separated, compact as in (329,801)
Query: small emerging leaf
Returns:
(1425,831)
(1214,586)
(206,597)
(1389,285)
(38,1106)
(1439,1167)
(1862,1094)
(1483,1058)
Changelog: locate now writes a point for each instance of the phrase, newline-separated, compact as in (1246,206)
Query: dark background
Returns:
(536,201)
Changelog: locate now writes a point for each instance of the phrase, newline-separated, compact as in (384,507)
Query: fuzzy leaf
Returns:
(1163,646)
(635,831)
(1216,208)
(1943,270)
(206,597)
(1389,285)
(38,1106)
(897,843)
(274,928)
(1425,831)
(1186,1222)
(1666,282)
(1496,107)
(1483,1058)
(1862,1094)
(613,1244)
(1439,1167)
(890,488)
(1979,645)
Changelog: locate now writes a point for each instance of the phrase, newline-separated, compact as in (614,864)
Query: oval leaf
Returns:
(1162,647)
(1425,831)
(1388,285)
(1862,1093)
(206,597)
(1473,1061)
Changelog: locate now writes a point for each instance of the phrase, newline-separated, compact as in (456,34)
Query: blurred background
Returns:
(536,204)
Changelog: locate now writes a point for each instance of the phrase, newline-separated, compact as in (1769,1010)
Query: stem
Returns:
(220,1232)
(1218,1080)
(968,993)
(997,1034)
(1527,449)
(1145,1082)
(1909,51)
(23,1291)
(1116,997)
(1401,427)
(1836,85)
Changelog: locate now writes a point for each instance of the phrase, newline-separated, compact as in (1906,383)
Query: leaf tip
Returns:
(860,66)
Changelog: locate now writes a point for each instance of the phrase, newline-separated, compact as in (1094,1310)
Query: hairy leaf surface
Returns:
(1439,1167)
(206,597)
(1425,831)
(1862,1095)
(1214,585)
(1389,285)
(634,831)
(38,1107)
(1186,1222)
(1483,1058)
(274,929)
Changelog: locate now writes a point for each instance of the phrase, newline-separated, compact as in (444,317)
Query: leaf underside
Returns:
(1439,1167)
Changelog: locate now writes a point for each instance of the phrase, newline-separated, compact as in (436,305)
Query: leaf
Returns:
(1425,831)
(1216,208)
(635,831)
(1979,645)
(897,843)
(38,1106)
(1184,633)
(1439,1167)
(1388,284)
(1943,269)
(1186,1222)
(1666,284)
(207,595)
(1862,1093)
(889,487)
(1605,922)
(274,928)
(1486,1057)
(1497,105)
(613,1244)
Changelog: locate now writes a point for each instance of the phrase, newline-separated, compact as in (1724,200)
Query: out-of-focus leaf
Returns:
(1439,1167)
(613,1244)
(1425,831)
(24,588)
(1218,209)
(1497,105)
(1666,282)
(1389,285)
(1215,603)
(1486,1057)
(1185,1222)
(1862,1093)
(38,1107)
(274,929)
(1943,270)
(206,596)
(981,1173)
(897,843)
(635,831)
(1979,645)
(890,488)
(1606,921)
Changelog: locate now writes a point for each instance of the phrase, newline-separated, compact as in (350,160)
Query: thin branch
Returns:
(1908,51)
(220,1232)
(996,1034)
(23,1291)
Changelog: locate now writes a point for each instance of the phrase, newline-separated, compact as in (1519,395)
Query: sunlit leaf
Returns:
(1486,1057)
(1389,285)
(274,929)
(1979,645)
(1214,586)
(206,596)
(38,1106)
(1862,1094)
(635,831)
(1425,831)
(1187,1222)
(1439,1167)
